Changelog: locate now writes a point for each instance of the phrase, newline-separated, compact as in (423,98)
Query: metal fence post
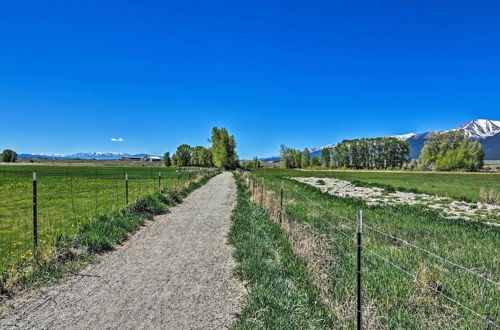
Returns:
(35,219)
(485,297)
(262,193)
(159,182)
(358,270)
(281,201)
(126,188)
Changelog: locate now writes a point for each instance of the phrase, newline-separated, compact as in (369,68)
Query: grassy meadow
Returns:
(67,197)
(403,287)
(456,185)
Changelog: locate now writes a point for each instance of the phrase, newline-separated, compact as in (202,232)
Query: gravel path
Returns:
(175,273)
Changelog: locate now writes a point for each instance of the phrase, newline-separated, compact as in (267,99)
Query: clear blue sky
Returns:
(74,74)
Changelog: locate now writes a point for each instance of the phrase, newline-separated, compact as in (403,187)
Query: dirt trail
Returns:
(175,273)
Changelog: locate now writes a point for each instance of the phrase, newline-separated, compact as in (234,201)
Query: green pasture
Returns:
(404,287)
(67,196)
(462,186)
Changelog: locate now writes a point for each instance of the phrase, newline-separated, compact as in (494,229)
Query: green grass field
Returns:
(67,196)
(454,185)
(393,299)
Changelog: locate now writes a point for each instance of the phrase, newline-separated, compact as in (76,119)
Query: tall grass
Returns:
(489,196)
(281,295)
(392,298)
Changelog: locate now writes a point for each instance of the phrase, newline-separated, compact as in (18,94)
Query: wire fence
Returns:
(37,208)
(469,296)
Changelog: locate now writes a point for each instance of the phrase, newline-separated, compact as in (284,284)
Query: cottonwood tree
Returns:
(183,155)
(166,159)
(325,157)
(223,149)
(450,151)
(376,153)
(315,161)
(9,156)
(305,159)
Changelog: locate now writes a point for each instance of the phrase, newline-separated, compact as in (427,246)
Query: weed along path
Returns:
(175,273)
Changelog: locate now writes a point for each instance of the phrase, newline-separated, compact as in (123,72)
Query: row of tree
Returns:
(377,153)
(443,151)
(222,153)
(190,156)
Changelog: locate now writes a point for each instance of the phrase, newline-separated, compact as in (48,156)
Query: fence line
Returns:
(415,277)
(252,184)
(482,276)
(61,205)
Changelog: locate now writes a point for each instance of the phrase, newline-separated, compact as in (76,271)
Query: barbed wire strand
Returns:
(415,277)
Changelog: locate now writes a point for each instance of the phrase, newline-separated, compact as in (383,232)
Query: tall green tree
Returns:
(450,151)
(197,156)
(305,159)
(255,162)
(325,157)
(223,148)
(166,159)
(9,156)
(183,155)
(286,155)
(206,158)
(315,161)
(297,158)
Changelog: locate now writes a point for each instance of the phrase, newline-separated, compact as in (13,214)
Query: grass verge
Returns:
(281,295)
(97,235)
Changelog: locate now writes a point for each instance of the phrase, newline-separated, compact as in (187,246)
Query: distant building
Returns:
(145,158)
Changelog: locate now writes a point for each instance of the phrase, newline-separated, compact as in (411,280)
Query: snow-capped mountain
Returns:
(83,155)
(328,146)
(486,131)
(475,129)
(403,137)
(480,128)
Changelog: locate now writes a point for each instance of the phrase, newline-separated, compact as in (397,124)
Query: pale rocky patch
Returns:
(448,208)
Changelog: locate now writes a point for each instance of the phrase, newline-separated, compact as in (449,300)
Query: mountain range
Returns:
(83,155)
(486,131)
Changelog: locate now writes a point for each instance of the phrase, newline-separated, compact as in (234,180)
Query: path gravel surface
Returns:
(175,273)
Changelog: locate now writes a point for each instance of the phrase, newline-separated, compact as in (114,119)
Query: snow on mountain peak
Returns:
(480,128)
(403,137)
(328,146)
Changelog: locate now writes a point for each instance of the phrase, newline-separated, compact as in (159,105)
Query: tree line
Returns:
(443,151)
(222,153)
(376,153)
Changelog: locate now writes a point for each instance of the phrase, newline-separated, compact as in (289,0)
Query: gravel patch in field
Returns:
(447,207)
(175,273)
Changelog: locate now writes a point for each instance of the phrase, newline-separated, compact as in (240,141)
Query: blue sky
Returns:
(73,74)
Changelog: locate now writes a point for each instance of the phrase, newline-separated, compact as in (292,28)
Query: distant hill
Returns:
(84,155)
